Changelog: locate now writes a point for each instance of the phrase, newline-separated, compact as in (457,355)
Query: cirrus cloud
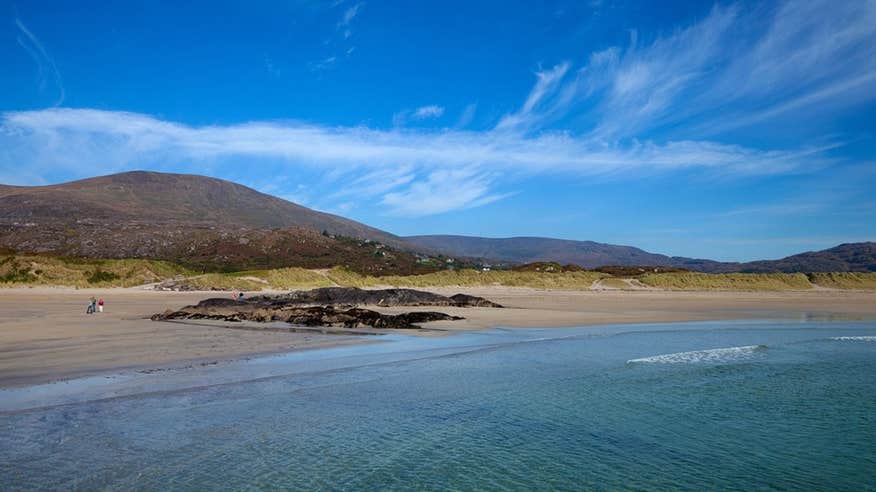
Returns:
(438,164)
(653,107)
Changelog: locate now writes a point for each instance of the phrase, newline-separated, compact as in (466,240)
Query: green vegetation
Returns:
(24,270)
(547,266)
(635,271)
(254,280)
(28,270)
(845,280)
(225,281)
(295,278)
(347,278)
(100,276)
(11,271)
(727,281)
(471,278)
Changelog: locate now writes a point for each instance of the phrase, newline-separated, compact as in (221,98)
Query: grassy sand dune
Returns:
(472,278)
(255,280)
(26,270)
(33,270)
(727,281)
(845,280)
(614,283)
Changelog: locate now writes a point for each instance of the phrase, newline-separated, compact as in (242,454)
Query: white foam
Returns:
(855,339)
(728,354)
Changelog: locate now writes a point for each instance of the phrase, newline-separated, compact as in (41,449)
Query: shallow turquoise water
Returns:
(736,405)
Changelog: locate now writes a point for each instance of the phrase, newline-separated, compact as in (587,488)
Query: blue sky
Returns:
(732,131)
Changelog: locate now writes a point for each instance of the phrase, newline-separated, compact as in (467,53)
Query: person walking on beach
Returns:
(100,306)
(92,306)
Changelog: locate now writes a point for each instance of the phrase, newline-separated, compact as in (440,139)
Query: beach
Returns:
(46,336)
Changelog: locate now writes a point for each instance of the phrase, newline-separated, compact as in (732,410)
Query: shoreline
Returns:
(46,337)
(395,349)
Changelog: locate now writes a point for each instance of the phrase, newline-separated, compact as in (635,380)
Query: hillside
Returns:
(215,225)
(200,222)
(216,249)
(141,197)
(588,254)
(853,257)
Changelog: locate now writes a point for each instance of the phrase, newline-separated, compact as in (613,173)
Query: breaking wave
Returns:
(717,355)
(855,339)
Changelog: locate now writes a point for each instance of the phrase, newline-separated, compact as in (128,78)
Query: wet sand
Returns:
(46,336)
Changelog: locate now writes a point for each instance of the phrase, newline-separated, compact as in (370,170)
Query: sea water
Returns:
(698,406)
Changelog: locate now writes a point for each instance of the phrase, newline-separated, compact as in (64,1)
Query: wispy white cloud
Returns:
(419,114)
(426,112)
(467,115)
(47,71)
(75,132)
(85,141)
(442,191)
(731,68)
(339,42)
(776,209)
(323,64)
(375,183)
(349,14)
(546,84)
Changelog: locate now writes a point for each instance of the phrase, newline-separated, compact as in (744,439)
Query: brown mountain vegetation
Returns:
(202,223)
(150,198)
(209,224)
(852,257)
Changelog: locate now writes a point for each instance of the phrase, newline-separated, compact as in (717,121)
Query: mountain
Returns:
(214,224)
(163,198)
(197,221)
(854,257)
(588,254)
(850,257)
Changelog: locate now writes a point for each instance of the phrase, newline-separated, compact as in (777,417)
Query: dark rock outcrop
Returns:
(352,296)
(466,300)
(332,306)
(305,316)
